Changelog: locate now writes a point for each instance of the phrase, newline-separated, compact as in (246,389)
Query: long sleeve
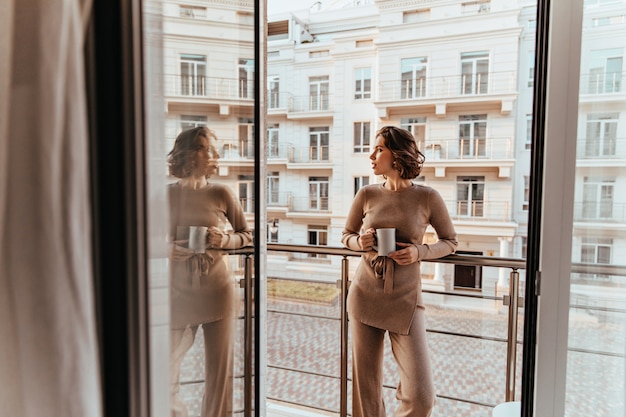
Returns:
(441,222)
(351,232)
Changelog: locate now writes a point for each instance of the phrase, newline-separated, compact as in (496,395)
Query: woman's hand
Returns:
(408,255)
(367,239)
(214,237)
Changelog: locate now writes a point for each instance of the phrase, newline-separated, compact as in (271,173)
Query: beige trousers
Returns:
(415,392)
(217,400)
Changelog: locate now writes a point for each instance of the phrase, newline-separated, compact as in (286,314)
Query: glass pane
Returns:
(202,165)
(596,364)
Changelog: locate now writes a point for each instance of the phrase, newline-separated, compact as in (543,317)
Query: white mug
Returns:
(197,238)
(386,238)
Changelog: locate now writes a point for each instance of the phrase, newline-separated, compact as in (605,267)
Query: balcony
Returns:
(601,152)
(479,211)
(475,340)
(300,107)
(603,84)
(309,157)
(464,152)
(182,90)
(237,151)
(450,93)
(600,213)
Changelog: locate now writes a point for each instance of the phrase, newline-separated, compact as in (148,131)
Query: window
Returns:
(529,132)
(596,250)
(361,137)
(246,78)
(472,135)
(273,180)
(192,11)
(360,182)
(531,68)
(605,71)
(273,150)
(318,193)
(474,72)
(413,16)
(189,122)
(192,75)
(470,193)
(481,6)
(273,92)
(319,144)
(246,138)
(278,30)
(601,135)
(319,54)
(318,93)
(245,185)
(526,200)
(598,198)
(417,126)
(272,231)
(413,76)
(362,83)
(318,235)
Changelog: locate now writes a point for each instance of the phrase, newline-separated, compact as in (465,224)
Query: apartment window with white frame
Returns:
(413,77)
(598,196)
(273,187)
(273,92)
(417,127)
(480,6)
(318,193)
(273,148)
(601,135)
(245,185)
(272,231)
(318,236)
(246,137)
(526,201)
(605,71)
(470,196)
(474,72)
(319,88)
(360,182)
(319,141)
(529,132)
(531,68)
(596,251)
(246,78)
(189,122)
(472,135)
(192,11)
(413,16)
(361,134)
(192,75)
(362,83)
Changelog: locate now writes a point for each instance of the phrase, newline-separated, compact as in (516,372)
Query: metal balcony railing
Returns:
(605,82)
(472,149)
(208,87)
(601,148)
(424,88)
(600,212)
(297,358)
(479,210)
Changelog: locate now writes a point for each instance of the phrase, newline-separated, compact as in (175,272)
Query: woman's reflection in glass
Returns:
(205,218)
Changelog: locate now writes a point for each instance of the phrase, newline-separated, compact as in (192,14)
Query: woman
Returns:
(202,291)
(385,293)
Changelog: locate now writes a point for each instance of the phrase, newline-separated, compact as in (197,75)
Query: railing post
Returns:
(511,351)
(248,330)
(343,405)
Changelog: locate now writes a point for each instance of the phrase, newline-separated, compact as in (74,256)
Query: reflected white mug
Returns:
(386,238)
(197,238)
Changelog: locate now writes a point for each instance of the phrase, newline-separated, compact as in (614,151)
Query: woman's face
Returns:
(206,157)
(382,158)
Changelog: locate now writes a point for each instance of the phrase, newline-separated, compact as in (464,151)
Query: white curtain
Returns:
(48,344)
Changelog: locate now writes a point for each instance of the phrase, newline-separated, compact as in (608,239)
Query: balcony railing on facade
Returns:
(479,210)
(604,149)
(279,103)
(477,148)
(600,212)
(605,82)
(454,86)
(297,204)
(215,88)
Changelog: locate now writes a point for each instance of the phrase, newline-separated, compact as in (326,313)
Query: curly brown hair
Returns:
(408,158)
(181,157)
